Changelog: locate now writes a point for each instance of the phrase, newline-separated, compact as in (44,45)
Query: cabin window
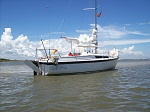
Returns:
(102,56)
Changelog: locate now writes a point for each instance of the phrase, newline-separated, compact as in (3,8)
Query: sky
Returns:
(124,25)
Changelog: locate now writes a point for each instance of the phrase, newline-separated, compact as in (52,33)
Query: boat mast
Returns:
(95,14)
(96,44)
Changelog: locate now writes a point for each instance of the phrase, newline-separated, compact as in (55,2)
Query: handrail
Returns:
(44,49)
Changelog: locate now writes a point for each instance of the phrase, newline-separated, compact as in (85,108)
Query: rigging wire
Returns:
(63,21)
(108,33)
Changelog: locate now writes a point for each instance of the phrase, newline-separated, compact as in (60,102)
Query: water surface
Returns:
(127,88)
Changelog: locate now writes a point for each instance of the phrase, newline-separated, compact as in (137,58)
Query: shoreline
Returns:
(8,60)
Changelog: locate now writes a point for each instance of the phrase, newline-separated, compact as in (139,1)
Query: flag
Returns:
(99,14)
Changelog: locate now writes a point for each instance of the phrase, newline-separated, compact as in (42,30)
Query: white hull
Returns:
(86,59)
(48,68)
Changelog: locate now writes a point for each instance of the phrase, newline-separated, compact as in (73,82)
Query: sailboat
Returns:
(88,60)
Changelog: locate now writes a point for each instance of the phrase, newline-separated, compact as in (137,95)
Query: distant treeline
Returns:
(7,60)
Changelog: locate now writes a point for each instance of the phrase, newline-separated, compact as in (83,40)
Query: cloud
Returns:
(7,35)
(54,33)
(112,32)
(19,46)
(125,42)
(137,33)
(127,24)
(22,48)
(130,51)
(83,31)
(144,23)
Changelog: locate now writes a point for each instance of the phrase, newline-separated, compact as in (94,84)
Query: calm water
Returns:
(127,88)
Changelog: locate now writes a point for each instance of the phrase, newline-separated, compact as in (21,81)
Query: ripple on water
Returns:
(124,89)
